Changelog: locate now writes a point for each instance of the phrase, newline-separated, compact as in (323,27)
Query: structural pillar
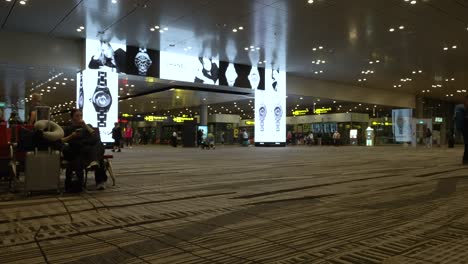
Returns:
(203,115)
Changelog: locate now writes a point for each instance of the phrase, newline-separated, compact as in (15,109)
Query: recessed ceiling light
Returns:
(23,2)
(454,47)
(391,29)
(234,30)
(310,1)
(401,27)
(241,28)
(152,29)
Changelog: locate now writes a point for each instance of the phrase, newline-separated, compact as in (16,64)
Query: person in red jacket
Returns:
(128,134)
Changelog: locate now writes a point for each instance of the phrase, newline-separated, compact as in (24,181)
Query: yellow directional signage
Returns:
(155,118)
(382,123)
(127,115)
(301,112)
(321,111)
(250,123)
(181,119)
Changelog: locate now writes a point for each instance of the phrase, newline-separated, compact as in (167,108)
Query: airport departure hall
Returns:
(247,131)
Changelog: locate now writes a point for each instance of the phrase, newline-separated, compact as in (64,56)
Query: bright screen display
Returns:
(270,109)
(204,130)
(242,76)
(106,56)
(97,98)
(402,124)
(179,67)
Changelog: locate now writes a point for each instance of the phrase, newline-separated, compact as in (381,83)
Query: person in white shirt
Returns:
(310,139)
(336,138)
(174,139)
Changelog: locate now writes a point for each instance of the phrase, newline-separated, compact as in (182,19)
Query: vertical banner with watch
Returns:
(402,124)
(97,93)
(270,110)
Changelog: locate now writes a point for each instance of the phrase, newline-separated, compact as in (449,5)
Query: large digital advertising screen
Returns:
(114,57)
(402,124)
(180,67)
(242,76)
(97,98)
(270,110)
(106,56)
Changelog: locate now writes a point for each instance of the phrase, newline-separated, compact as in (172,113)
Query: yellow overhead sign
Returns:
(382,123)
(155,118)
(181,119)
(127,115)
(250,123)
(301,112)
(322,110)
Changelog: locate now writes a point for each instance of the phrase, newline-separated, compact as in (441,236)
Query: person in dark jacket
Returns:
(117,136)
(461,123)
(85,150)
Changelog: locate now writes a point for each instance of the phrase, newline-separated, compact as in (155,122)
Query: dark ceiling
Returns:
(352,37)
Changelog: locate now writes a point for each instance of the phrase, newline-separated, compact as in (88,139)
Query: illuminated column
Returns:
(203,115)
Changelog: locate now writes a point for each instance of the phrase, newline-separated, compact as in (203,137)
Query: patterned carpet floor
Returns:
(252,205)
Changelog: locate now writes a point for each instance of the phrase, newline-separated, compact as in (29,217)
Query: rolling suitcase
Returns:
(42,171)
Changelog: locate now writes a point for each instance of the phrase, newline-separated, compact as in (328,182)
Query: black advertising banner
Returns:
(242,76)
(142,62)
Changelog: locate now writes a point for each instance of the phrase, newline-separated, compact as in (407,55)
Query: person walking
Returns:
(245,138)
(117,136)
(319,138)
(129,135)
(428,138)
(174,139)
(461,124)
(336,138)
(222,138)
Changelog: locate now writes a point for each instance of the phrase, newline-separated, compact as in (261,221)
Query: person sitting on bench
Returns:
(85,149)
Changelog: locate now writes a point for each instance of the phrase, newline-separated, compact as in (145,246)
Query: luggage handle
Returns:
(49,150)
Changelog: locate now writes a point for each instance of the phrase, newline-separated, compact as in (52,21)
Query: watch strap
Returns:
(102,79)
(102,118)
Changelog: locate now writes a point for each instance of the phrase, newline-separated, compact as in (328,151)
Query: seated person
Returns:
(85,148)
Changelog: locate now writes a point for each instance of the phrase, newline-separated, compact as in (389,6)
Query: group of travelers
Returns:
(311,138)
(122,136)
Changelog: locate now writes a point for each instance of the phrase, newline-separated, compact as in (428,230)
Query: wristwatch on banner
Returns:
(143,61)
(81,94)
(254,78)
(231,75)
(278,115)
(262,112)
(102,99)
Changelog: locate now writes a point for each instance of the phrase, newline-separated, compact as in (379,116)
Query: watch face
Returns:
(278,112)
(231,74)
(254,78)
(142,62)
(102,99)
(262,111)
